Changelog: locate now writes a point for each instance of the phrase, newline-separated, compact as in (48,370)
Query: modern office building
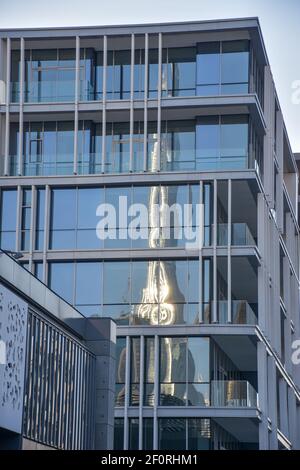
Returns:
(56,390)
(163,114)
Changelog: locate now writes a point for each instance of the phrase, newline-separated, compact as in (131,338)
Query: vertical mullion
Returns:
(7,116)
(215,317)
(156,392)
(19,218)
(141,390)
(131,124)
(200,266)
(47,213)
(146,100)
(159,101)
(32,225)
(127,388)
(104,103)
(229,307)
(76,105)
(21,101)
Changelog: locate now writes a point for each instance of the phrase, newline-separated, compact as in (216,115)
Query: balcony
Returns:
(233,393)
(241,312)
(240,235)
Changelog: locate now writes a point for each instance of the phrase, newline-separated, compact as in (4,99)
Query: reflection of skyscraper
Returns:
(156,306)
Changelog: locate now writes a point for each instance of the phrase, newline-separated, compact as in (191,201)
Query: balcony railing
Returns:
(47,91)
(241,312)
(240,235)
(233,393)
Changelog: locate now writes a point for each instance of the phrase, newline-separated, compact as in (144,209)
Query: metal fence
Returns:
(59,387)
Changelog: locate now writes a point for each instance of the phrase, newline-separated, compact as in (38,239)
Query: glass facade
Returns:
(8,223)
(228,142)
(176,120)
(223,68)
(206,69)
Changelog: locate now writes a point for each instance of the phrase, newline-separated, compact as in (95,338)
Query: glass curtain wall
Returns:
(210,68)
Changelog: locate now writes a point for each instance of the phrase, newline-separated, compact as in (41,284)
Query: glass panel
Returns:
(147,434)
(208,67)
(208,138)
(61,280)
(173,359)
(199,434)
(133,434)
(135,371)
(38,270)
(117,282)
(40,219)
(234,136)
(198,359)
(172,434)
(88,290)
(8,219)
(198,394)
(119,434)
(63,218)
(235,63)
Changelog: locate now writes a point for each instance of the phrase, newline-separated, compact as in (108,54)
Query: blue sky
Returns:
(279,20)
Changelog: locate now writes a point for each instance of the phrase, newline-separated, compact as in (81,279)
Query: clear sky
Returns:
(280,21)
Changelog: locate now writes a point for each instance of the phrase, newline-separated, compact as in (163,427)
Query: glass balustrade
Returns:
(241,312)
(233,393)
(240,235)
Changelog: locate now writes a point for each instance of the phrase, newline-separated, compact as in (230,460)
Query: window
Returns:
(222,142)
(149,371)
(63,219)
(148,434)
(61,280)
(88,285)
(26,220)
(118,74)
(133,434)
(178,146)
(40,219)
(223,68)
(38,270)
(136,292)
(119,434)
(49,147)
(185,434)
(120,371)
(8,219)
(135,371)
(184,371)
(73,218)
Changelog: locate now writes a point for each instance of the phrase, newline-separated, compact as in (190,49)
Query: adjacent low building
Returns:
(56,366)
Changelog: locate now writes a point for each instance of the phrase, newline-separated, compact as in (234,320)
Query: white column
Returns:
(158,163)
(215,313)
(146,101)
(76,105)
(21,102)
(142,362)
(7,123)
(131,117)
(229,308)
(104,103)
(127,392)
